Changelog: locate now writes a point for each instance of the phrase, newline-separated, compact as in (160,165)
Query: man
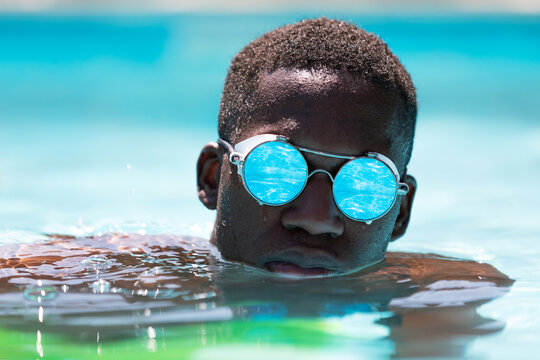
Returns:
(335,95)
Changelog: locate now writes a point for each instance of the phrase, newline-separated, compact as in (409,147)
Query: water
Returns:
(101,122)
(137,290)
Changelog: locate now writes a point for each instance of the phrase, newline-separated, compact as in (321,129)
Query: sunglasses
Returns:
(274,172)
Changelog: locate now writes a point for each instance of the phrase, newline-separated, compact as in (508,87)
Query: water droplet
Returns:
(199,296)
(40,314)
(151,332)
(403,280)
(368,222)
(100,286)
(40,293)
(97,262)
(39,348)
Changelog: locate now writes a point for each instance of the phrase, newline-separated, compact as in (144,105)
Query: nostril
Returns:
(298,219)
(314,211)
(308,230)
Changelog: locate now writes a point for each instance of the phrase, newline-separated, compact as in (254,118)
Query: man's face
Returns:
(334,112)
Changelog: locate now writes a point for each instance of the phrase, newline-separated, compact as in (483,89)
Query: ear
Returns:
(208,174)
(405,207)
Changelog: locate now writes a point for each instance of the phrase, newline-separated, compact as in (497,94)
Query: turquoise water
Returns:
(373,174)
(101,120)
(275,172)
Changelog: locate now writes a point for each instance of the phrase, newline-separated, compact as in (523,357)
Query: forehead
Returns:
(331,111)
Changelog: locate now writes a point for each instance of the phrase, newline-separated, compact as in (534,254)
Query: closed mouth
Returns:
(302,261)
(291,269)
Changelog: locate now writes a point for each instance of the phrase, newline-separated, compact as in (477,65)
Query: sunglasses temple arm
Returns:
(403,187)
(234,157)
(226,145)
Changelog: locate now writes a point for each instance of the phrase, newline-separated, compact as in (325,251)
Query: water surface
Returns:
(174,294)
(101,121)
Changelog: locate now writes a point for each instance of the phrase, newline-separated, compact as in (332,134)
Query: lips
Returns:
(287,268)
(302,261)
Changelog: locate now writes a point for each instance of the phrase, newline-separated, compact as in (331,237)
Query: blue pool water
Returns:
(275,172)
(101,121)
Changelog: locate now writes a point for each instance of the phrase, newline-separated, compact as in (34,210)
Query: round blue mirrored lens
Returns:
(275,172)
(365,189)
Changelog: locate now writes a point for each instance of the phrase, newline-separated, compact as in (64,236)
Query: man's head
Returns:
(325,85)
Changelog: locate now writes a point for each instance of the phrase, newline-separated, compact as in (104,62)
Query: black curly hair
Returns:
(314,44)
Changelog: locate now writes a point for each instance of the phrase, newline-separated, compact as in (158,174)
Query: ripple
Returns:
(40,293)
(100,286)
(97,262)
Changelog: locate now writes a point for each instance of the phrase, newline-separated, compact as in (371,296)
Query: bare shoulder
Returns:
(429,267)
(56,247)
(56,259)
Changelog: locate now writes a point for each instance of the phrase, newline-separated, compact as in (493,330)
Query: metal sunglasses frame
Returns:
(241,151)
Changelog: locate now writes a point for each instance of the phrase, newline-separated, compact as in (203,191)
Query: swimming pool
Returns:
(101,122)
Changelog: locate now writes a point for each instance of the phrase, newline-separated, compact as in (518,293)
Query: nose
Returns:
(314,210)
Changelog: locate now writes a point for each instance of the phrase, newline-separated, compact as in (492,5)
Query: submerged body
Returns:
(129,281)
(139,259)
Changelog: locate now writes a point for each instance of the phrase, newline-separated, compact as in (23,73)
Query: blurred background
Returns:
(104,106)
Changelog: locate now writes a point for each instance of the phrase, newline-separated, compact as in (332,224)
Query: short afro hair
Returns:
(314,44)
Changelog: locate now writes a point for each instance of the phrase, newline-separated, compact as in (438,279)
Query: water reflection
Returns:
(275,172)
(175,291)
(365,188)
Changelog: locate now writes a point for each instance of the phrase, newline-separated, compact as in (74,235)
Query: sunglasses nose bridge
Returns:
(321,171)
(314,210)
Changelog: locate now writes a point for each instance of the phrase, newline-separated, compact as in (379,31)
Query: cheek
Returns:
(386,227)
(231,194)
(223,227)
(368,243)
(240,219)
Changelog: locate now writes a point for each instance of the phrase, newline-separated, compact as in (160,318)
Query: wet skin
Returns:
(428,302)
(432,299)
(335,112)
